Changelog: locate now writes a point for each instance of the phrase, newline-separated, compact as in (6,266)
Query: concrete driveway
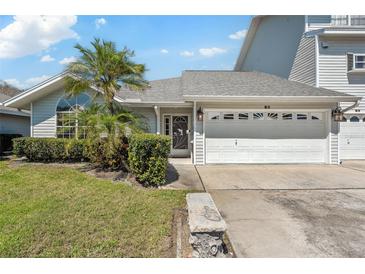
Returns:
(291,210)
(283,176)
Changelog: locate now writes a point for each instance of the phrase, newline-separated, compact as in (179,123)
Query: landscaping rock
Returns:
(206,226)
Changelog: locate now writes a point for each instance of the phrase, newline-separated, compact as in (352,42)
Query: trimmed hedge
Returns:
(107,153)
(6,143)
(49,149)
(148,157)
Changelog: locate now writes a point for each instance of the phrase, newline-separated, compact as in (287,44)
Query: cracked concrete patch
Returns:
(300,223)
(332,221)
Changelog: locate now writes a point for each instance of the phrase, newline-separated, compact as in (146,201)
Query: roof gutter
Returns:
(331,99)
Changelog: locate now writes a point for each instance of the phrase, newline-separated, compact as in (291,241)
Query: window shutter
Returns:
(350,61)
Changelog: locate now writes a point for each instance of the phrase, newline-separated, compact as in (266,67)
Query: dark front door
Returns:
(180,135)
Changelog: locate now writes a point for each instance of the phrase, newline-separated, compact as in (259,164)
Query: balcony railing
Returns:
(348,20)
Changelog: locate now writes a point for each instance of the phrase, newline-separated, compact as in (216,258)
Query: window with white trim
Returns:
(67,111)
(359,61)
(167,125)
(354,119)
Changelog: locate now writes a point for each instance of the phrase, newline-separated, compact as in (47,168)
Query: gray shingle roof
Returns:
(166,90)
(235,83)
(222,83)
(14,111)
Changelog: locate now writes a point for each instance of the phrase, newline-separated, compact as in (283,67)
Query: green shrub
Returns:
(6,143)
(19,145)
(76,150)
(107,153)
(49,149)
(148,157)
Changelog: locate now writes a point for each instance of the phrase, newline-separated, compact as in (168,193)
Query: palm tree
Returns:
(105,68)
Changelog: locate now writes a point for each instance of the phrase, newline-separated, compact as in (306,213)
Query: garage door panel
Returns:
(352,140)
(265,150)
(266,141)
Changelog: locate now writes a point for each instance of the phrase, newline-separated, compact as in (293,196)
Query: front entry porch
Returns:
(177,123)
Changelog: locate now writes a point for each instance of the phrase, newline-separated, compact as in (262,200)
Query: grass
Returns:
(50,211)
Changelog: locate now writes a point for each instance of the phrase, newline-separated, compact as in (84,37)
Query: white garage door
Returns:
(265,137)
(352,139)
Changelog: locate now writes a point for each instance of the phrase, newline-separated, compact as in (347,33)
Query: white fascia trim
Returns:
(160,104)
(248,41)
(268,110)
(34,89)
(273,98)
(342,32)
(44,84)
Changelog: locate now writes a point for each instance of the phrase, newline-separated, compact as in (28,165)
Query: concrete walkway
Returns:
(181,174)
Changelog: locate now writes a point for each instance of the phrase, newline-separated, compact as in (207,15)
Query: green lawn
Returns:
(50,211)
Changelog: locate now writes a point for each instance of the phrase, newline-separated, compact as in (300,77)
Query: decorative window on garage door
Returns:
(213,115)
(268,116)
(287,116)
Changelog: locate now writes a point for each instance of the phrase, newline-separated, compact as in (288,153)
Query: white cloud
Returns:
(186,53)
(100,22)
(31,34)
(14,82)
(164,51)
(209,52)
(36,80)
(27,83)
(47,58)
(238,35)
(67,60)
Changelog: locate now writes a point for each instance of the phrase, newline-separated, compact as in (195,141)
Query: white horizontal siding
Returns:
(334,148)
(44,114)
(304,67)
(148,115)
(199,142)
(333,72)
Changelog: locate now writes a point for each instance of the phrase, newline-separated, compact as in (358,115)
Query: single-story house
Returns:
(13,120)
(214,117)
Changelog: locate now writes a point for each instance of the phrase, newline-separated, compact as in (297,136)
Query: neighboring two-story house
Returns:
(322,51)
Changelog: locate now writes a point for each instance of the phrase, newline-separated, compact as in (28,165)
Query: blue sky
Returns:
(34,48)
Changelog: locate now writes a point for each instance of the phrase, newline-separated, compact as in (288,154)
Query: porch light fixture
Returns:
(337,114)
(200,114)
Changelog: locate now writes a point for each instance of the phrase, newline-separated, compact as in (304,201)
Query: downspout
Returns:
(317,60)
(194,133)
(31,119)
(356,104)
(158,122)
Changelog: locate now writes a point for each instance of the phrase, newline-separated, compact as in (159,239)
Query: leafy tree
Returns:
(107,69)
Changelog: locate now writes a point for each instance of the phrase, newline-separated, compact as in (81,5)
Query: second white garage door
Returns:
(352,139)
(266,137)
